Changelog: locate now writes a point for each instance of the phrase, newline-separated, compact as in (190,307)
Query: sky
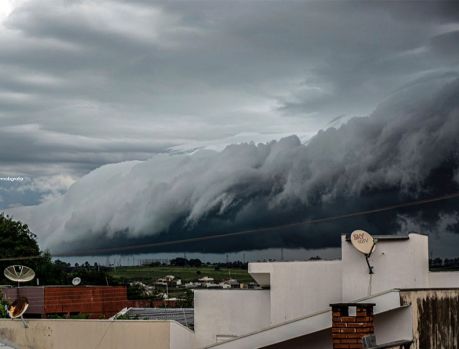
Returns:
(150,93)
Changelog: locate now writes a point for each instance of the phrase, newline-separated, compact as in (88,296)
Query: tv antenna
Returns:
(365,244)
(76,281)
(18,273)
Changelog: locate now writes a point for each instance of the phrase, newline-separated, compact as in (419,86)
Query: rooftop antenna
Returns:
(76,281)
(18,273)
(17,309)
(365,244)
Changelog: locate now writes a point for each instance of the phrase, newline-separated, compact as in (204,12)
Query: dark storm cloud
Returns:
(406,149)
(84,84)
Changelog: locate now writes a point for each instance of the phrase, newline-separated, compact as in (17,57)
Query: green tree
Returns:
(16,240)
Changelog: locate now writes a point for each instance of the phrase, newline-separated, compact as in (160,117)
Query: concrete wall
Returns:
(101,334)
(317,340)
(435,318)
(397,264)
(302,288)
(181,337)
(443,279)
(393,325)
(227,313)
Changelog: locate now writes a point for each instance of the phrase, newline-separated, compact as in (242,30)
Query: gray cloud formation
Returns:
(86,83)
(398,147)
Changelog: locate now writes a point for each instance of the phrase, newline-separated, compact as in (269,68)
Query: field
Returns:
(149,275)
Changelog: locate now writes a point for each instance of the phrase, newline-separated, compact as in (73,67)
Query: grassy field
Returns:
(149,275)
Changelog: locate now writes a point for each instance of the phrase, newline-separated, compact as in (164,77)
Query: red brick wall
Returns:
(347,330)
(103,300)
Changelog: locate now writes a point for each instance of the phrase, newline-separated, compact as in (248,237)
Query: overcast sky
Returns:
(87,83)
(84,83)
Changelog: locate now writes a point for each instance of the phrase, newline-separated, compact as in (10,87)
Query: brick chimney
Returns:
(351,321)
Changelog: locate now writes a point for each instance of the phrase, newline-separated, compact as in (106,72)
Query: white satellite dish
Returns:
(363,242)
(19,273)
(76,281)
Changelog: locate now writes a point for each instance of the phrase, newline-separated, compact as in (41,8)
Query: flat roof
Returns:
(384,237)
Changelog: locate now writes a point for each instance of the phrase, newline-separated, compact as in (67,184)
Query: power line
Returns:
(19,258)
(258,230)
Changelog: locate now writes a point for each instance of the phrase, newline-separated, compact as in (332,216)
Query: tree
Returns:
(16,239)
(179,262)
(195,262)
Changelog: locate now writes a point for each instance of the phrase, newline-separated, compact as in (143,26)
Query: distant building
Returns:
(206,279)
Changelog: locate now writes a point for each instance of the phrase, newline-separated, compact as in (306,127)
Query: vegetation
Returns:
(16,240)
(3,313)
(149,275)
(447,264)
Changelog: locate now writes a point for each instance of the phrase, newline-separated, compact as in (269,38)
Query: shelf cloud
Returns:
(139,121)
(396,150)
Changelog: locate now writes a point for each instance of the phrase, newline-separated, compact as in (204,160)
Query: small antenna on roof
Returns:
(76,281)
(365,244)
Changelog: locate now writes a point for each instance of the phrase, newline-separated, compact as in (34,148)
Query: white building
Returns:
(294,308)
(292,311)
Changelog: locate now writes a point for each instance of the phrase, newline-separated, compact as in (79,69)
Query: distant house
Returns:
(230,283)
(206,279)
(167,280)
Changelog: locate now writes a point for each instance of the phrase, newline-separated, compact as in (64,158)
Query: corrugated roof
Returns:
(185,316)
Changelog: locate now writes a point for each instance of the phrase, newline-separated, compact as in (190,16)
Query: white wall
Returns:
(393,325)
(229,313)
(397,264)
(302,288)
(298,289)
(84,334)
(181,337)
(439,279)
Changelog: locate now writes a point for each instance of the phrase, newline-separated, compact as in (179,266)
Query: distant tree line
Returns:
(446,263)
(184,262)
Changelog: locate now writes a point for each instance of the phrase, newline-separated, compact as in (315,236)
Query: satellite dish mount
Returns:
(18,273)
(365,244)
